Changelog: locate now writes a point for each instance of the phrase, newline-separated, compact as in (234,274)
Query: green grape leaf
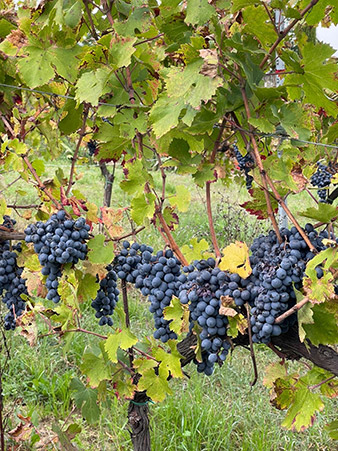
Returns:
(144,364)
(86,400)
(304,315)
(319,290)
(5,27)
(136,179)
(65,62)
(165,113)
(120,338)
(100,252)
(73,14)
(264,125)
(92,85)
(95,368)
(195,249)
(324,329)
(325,259)
(182,198)
(121,49)
(178,314)
(199,12)
(171,361)
(188,83)
(317,75)
(39,166)
(127,339)
(237,5)
(157,386)
(72,121)
(87,288)
(301,413)
(111,346)
(256,23)
(332,429)
(36,69)
(273,372)
(323,212)
(142,207)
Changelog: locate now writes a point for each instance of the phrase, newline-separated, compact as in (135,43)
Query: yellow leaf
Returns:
(236,259)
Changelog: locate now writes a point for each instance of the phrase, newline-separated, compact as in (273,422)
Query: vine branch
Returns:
(252,352)
(286,31)
(208,193)
(261,169)
(40,184)
(292,310)
(76,153)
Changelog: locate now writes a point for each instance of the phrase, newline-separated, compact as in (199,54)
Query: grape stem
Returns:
(127,320)
(10,184)
(271,19)
(126,235)
(286,31)
(41,185)
(292,310)
(252,352)
(79,329)
(261,169)
(313,387)
(208,193)
(290,215)
(145,354)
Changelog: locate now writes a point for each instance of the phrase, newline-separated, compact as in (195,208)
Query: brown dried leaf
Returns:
(210,65)
(227,301)
(23,431)
(111,217)
(298,177)
(226,311)
(29,328)
(17,38)
(93,269)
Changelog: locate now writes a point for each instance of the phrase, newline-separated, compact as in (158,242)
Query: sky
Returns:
(329,36)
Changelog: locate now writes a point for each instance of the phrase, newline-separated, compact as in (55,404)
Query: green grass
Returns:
(213,414)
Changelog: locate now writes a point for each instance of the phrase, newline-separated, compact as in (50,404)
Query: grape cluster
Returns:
(322,179)
(92,147)
(277,269)
(126,264)
(12,285)
(202,288)
(106,298)
(58,241)
(157,276)
(245,164)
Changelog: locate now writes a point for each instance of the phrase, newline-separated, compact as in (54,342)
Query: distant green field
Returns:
(219,413)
